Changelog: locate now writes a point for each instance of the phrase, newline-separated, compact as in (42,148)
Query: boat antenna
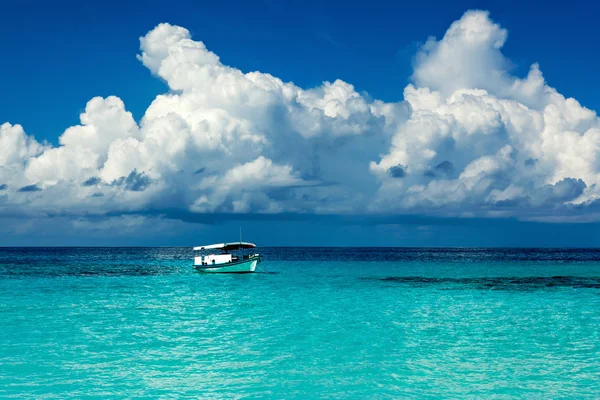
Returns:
(240,234)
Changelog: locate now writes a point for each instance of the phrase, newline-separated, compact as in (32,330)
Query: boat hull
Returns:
(238,267)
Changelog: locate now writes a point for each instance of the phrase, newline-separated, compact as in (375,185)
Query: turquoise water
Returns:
(317,323)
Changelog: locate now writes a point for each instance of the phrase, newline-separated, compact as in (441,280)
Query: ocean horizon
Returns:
(312,322)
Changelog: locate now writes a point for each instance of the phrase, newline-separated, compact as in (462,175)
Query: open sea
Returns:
(313,323)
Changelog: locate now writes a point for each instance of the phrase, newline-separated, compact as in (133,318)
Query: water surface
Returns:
(315,322)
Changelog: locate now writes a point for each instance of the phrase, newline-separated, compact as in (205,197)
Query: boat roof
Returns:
(227,246)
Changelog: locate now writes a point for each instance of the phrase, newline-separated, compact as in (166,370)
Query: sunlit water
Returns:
(316,323)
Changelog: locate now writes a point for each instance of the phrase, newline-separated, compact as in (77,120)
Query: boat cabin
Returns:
(203,255)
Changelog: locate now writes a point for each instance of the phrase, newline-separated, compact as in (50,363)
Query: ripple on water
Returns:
(366,323)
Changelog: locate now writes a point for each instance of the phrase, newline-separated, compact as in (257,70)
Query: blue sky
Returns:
(57,56)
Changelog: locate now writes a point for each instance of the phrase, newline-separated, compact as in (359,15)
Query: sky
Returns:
(306,123)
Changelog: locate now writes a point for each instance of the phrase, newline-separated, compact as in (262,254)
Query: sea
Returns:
(340,323)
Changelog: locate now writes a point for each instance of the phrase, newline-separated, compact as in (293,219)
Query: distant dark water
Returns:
(324,322)
(507,283)
(83,261)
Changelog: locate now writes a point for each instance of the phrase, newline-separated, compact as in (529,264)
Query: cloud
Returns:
(480,141)
(136,182)
(466,138)
(93,181)
(440,65)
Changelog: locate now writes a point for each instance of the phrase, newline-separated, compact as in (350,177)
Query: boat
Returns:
(224,262)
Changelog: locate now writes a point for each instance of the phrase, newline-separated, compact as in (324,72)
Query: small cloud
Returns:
(399,171)
(564,190)
(98,195)
(93,181)
(530,162)
(446,167)
(30,188)
(4,186)
(136,182)
(568,189)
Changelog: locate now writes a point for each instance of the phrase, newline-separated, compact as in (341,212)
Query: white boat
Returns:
(225,262)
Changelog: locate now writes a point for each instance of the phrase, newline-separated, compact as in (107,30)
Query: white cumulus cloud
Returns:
(466,138)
